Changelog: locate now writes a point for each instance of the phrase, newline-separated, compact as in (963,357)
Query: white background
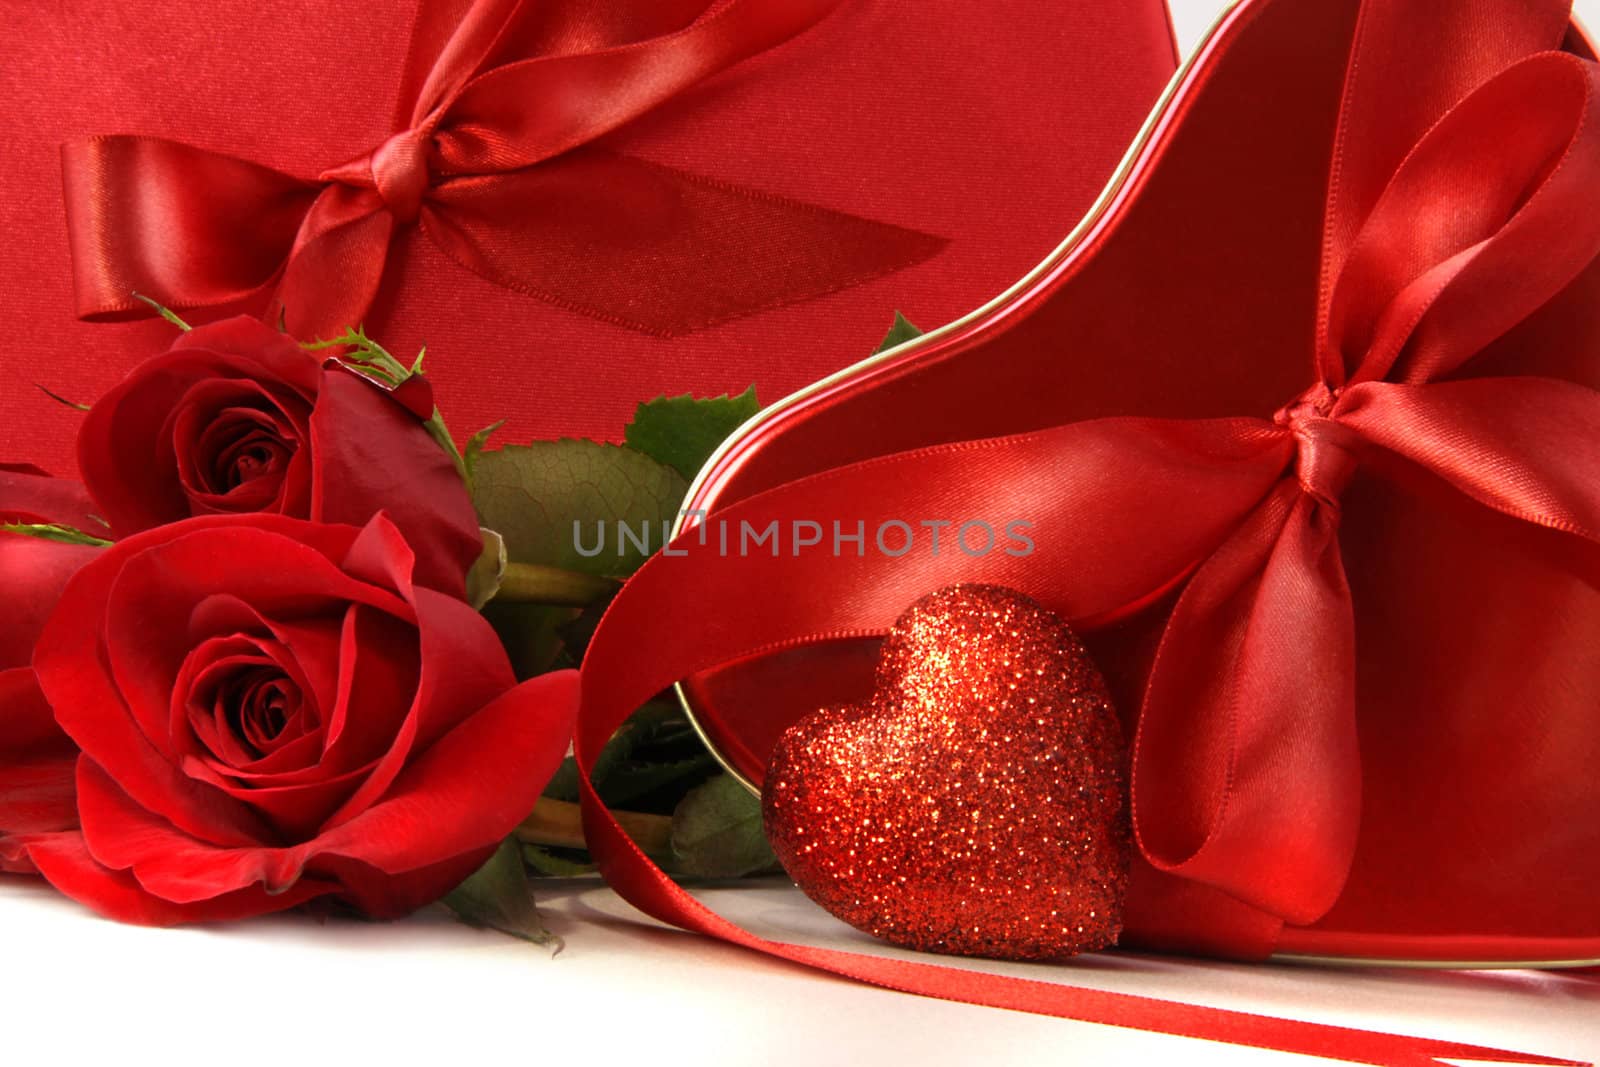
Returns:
(283,990)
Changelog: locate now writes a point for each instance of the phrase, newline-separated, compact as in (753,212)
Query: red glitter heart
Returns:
(977,805)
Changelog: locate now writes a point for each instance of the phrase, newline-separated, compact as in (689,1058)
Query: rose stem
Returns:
(533,583)
(558,824)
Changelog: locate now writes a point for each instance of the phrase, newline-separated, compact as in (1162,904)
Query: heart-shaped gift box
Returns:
(578,206)
(1304,420)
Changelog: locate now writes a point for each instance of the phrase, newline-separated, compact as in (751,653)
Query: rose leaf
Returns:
(639,740)
(683,432)
(560,504)
(901,332)
(550,864)
(716,832)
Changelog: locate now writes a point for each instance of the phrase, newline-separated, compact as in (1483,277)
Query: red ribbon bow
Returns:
(493,159)
(1441,235)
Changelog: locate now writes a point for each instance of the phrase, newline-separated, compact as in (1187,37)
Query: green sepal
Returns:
(164,312)
(59,399)
(498,897)
(49,531)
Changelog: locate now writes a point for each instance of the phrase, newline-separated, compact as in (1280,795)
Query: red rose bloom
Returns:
(237,418)
(36,758)
(272,710)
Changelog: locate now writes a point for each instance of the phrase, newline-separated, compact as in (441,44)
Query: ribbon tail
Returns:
(644,884)
(1246,772)
(181,225)
(580,96)
(655,634)
(1485,221)
(1391,99)
(1528,447)
(1212,474)
(658,249)
(336,265)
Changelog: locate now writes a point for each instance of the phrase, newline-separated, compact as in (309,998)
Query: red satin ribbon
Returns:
(491,159)
(1442,234)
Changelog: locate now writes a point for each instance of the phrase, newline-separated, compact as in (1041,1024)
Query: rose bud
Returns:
(36,758)
(272,711)
(236,418)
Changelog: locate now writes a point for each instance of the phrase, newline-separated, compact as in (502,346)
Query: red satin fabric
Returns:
(981,130)
(1475,675)
(474,163)
(1443,235)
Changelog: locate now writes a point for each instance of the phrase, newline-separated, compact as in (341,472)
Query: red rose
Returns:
(36,758)
(237,418)
(271,710)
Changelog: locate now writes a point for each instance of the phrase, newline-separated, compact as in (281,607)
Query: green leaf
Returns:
(901,332)
(498,897)
(534,494)
(531,635)
(716,832)
(634,779)
(682,432)
(657,721)
(577,633)
(552,865)
(45,531)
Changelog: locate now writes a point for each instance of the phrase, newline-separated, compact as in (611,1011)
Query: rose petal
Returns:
(36,761)
(124,452)
(463,668)
(202,557)
(173,865)
(29,495)
(66,864)
(253,344)
(382,895)
(208,423)
(378,669)
(26,722)
(313,643)
(33,572)
(151,602)
(373,455)
(465,793)
(296,810)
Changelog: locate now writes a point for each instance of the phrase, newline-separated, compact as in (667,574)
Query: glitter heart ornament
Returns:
(977,804)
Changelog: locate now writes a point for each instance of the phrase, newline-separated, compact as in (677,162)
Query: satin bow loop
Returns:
(1246,764)
(494,161)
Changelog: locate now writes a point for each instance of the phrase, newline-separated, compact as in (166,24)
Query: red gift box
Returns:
(576,205)
(1304,416)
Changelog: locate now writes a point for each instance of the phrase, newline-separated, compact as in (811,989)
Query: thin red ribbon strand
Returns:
(1443,233)
(494,159)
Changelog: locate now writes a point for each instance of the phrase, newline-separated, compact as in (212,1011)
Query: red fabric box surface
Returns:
(836,162)
(1347,284)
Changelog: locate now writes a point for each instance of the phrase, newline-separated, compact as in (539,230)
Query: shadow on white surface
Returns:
(429,989)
